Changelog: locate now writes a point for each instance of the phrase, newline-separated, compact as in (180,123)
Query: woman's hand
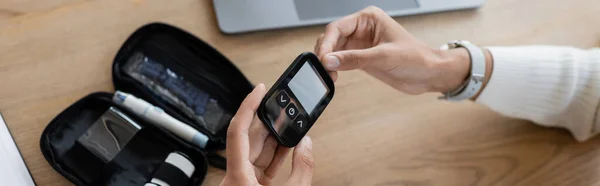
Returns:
(374,42)
(254,157)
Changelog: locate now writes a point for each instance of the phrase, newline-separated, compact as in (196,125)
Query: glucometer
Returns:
(296,100)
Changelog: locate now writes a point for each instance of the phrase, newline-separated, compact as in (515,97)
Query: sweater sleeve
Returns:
(548,85)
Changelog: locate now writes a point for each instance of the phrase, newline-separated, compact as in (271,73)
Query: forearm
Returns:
(551,86)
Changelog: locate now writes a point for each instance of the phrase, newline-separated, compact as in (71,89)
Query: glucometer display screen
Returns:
(308,87)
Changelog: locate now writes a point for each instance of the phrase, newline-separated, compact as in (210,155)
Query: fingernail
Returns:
(308,142)
(331,62)
(259,86)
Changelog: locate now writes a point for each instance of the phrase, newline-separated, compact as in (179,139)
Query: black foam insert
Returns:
(134,165)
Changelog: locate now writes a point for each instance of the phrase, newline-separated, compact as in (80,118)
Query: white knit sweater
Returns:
(551,86)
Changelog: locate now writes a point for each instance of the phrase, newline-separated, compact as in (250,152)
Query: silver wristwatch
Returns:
(473,83)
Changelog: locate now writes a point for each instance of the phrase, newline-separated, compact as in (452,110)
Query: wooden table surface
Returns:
(54,52)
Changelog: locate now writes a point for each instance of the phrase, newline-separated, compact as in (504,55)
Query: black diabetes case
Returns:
(136,163)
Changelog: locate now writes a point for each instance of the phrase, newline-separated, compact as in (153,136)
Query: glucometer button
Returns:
(291,111)
(282,99)
(300,123)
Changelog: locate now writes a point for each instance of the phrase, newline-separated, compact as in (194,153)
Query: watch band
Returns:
(475,80)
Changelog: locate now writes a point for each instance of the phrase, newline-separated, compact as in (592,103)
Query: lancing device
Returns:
(158,117)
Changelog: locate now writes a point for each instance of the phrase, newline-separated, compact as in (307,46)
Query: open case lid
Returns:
(180,52)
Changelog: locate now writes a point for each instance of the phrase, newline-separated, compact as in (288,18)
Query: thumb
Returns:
(349,59)
(302,164)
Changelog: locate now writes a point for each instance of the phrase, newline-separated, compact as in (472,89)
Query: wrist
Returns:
(451,69)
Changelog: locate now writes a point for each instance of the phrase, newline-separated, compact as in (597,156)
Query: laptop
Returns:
(238,16)
(14,170)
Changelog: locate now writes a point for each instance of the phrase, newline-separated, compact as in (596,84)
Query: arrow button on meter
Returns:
(282,99)
(300,123)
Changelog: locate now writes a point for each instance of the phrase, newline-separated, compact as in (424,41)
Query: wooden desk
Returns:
(54,52)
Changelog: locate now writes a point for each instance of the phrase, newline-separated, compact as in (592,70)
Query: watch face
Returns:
(297,99)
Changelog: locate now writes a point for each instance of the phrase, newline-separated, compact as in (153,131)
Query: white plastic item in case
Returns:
(158,117)
(179,161)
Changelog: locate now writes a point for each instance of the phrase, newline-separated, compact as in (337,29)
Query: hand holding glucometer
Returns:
(296,100)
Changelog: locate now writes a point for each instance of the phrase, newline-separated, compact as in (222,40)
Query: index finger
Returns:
(238,145)
(336,31)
